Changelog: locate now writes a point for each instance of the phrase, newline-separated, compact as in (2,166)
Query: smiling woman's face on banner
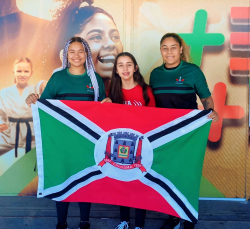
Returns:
(103,38)
(214,31)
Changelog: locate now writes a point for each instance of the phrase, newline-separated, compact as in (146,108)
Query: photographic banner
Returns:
(33,32)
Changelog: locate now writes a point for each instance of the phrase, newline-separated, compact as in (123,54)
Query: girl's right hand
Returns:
(106,100)
(32,98)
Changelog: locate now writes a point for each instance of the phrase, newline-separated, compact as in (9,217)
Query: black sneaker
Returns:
(123,225)
(84,225)
(171,223)
(188,225)
(61,226)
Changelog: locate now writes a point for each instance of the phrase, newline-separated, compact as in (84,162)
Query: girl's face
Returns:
(125,68)
(22,72)
(76,55)
(171,52)
(104,41)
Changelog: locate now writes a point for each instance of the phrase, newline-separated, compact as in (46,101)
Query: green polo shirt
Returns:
(65,86)
(177,88)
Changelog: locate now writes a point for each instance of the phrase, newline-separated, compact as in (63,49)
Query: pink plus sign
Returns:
(224,111)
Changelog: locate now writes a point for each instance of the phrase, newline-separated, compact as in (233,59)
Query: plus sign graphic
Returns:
(199,38)
(224,111)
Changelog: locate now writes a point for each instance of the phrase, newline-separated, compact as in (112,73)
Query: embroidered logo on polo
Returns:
(128,155)
(90,88)
(179,81)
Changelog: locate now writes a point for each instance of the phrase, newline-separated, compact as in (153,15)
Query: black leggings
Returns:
(188,225)
(139,215)
(62,211)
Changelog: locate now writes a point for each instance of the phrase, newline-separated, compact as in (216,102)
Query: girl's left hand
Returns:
(106,100)
(214,116)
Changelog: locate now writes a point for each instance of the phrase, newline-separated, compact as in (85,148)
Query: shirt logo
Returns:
(90,88)
(179,81)
(134,103)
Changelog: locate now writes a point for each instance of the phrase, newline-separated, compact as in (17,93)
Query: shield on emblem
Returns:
(124,148)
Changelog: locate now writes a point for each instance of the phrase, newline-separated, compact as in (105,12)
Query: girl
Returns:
(94,25)
(77,81)
(128,87)
(175,85)
(16,124)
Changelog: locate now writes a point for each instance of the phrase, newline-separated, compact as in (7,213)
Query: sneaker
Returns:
(171,223)
(62,226)
(123,225)
(188,225)
(84,225)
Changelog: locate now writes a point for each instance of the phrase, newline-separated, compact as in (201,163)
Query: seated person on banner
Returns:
(16,123)
(128,87)
(175,84)
(70,84)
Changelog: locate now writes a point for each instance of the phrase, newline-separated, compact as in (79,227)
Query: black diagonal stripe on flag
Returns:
(70,118)
(173,195)
(178,126)
(73,184)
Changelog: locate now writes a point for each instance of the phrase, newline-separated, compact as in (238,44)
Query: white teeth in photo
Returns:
(107,58)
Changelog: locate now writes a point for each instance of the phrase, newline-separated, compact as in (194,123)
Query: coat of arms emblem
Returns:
(126,151)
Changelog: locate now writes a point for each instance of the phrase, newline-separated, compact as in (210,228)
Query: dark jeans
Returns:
(62,211)
(139,215)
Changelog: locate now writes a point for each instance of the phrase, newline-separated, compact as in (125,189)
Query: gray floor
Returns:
(33,213)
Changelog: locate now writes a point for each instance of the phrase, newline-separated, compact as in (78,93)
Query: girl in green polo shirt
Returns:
(77,81)
(175,84)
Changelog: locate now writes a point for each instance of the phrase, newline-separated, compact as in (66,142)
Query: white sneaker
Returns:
(123,225)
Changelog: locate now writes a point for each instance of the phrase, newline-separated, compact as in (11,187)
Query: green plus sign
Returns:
(200,38)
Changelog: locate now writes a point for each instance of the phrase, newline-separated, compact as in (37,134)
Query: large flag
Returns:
(143,157)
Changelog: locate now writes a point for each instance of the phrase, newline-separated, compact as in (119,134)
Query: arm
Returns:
(151,98)
(48,93)
(208,103)
(204,94)
(106,100)
(3,115)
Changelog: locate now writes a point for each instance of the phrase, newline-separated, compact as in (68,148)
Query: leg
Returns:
(62,211)
(171,223)
(140,215)
(188,225)
(125,216)
(84,211)
(125,213)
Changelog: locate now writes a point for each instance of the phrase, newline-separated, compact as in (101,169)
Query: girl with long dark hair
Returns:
(127,84)
(128,87)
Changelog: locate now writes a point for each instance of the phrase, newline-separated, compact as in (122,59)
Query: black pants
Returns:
(62,211)
(188,225)
(139,215)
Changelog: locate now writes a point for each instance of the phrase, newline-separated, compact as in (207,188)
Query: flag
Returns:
(142,157)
